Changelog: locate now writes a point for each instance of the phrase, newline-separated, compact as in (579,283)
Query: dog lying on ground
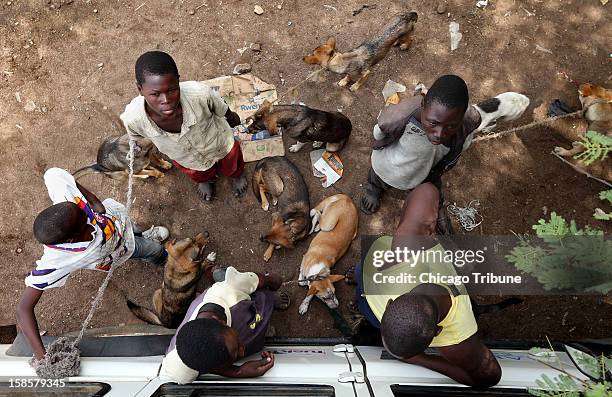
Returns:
(182,272)
(597,111)
(112,159)
(336,219)
(356,64)
(279,179)
(506,106)
(304,124)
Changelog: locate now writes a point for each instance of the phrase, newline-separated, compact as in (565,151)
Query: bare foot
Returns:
(206,190)
(239,185)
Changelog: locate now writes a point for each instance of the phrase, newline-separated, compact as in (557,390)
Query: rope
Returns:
(316,72)
(468,217)
(63,358)
(527,126)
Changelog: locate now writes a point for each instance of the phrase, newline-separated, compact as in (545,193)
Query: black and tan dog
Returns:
(280,180)
(112,159)
(304,124)
(181,275)
(356,64)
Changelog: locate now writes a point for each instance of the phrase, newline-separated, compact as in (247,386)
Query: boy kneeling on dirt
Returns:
(80,232)
(188,121)
(419,139)
(225,323)
(414,315)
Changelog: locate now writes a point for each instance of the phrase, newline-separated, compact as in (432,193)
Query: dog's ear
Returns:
(331,42)
(334,278)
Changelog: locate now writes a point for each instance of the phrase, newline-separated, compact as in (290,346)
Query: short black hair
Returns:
(450,91)
(200,344)
(58,223)
(154,63)
(409,324)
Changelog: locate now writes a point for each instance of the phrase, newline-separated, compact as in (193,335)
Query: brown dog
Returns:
(336,219)
(304,124)
(278,178)
(356,64)
(181,275)
(112,159)
(597,106)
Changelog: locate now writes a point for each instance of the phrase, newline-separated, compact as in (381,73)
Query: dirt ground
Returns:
(74,60)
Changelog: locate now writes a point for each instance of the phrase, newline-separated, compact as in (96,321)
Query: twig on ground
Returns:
(582,171)
(140,6)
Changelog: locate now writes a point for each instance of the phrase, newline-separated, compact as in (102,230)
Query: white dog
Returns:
(506,106)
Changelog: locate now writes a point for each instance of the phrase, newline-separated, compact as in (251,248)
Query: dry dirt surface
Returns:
(65,66)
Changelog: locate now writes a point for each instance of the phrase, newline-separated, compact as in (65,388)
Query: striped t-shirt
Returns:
(112,239)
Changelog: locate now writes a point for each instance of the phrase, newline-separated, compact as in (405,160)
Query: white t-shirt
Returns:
(112,239)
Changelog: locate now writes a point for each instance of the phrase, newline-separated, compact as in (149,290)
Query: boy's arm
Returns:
(469,362)
(94,202)
(249,369)
(271,281)
(26,319)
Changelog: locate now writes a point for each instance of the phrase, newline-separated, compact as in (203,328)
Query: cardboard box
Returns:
(244,94)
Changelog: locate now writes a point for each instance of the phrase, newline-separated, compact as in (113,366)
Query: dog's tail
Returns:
(144,314)
(495,307)
(90,169)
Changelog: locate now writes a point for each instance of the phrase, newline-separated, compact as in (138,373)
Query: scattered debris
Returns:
(482,3)
(564,318)
(289,23)
(330,7)
(242,68)
(441,9)
(468,217)
(19,250)
(95,11)
(30,106)
(603,2)
(100,65)
(255,47)
(19,127)
(530,14)
(326,166)
(258,10)
(420,89)
(364,7)
(140,6)
(192,12)
(391,92)
(18,97)
(540,48)
(455,35)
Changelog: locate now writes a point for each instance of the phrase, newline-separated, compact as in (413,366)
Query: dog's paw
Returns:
(165,164)
(404,46)
(303,307)
(296,148)
(561,151)
(314,214)
(355,87)
(211,257)
(265,206)
(317,144)
(302,282)
(344,81)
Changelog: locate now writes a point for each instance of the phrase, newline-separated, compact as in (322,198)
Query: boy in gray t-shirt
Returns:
(419,139)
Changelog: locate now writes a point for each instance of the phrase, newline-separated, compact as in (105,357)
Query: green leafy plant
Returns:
(565,256)
(597,146)
(567,384)
(606,195)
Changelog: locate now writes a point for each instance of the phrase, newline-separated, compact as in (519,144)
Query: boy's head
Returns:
(157,79)
(443,108)
(409,324)
(60,223)
(205,344)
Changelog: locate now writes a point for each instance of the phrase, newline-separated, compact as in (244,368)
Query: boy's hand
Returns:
(255,368)
(232,118)
(272,281)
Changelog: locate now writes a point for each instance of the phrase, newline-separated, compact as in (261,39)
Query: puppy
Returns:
(507,106)
(279,179)
(336,220)
(597,111)
(182,272)
(304,124)
(356,64)
(112,159)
